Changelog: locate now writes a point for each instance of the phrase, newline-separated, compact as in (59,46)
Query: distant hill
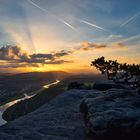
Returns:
(40,74)
(13,86)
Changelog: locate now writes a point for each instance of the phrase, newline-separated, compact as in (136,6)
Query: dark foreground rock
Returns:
(60,119)
(108,85)
(76,85)
(113,115)
(108,115)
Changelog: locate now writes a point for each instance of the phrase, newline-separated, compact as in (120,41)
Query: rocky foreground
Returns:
(113,115)
(80,115)
(60,119)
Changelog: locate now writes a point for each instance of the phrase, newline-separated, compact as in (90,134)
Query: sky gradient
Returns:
(45,35)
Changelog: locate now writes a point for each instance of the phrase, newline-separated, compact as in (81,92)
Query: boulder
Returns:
(108,85)
(114,114)
(76,85)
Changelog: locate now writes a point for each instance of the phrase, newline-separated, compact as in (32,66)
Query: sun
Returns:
(38,69)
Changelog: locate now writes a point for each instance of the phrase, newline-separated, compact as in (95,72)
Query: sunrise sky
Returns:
(46,35)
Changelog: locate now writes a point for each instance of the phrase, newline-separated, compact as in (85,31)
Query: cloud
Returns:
(50,58)
(12,56)
(41,56)
(17,65)
(118,45)
(16,57)
(12,52)
(113,37)
(87,46)
(62,53)
(59,62)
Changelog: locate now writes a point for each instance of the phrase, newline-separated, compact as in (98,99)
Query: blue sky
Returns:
(53,25)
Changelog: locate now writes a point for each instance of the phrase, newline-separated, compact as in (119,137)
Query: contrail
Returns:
(46,11)
(34,4)
(93,25)
(130,19)
(129,38)
(66,23)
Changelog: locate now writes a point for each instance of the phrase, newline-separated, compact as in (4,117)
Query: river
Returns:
(26,96)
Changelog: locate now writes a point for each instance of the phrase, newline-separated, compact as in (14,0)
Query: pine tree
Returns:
(120,73)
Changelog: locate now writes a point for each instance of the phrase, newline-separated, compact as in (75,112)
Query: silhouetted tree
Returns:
(118,72)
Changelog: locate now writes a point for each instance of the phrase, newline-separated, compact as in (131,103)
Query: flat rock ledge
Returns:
(60,119)
(112,115)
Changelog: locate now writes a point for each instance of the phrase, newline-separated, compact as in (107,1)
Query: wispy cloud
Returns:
(93,25)
(56,17)
(114,37)
(118,45)
(14,57)
(133,18)
(88,46)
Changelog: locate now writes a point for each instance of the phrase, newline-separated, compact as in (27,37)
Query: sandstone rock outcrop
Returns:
(108,115)
(59,119)
(114,114)
(108,85)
